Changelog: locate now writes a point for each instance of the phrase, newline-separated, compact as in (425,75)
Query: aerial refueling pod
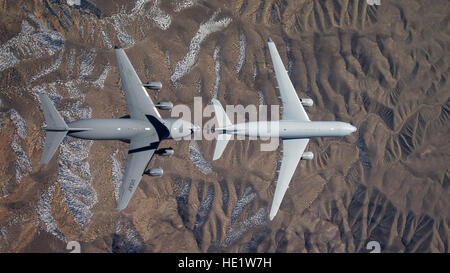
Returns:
(307,156)
(153,85)
(164,105)
(307,102)
(154,172)
(165,152)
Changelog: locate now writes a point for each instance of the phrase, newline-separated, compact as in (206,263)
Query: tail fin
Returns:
(56,128)
(223,122)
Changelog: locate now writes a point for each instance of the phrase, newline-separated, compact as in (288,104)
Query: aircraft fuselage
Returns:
(126,128)
(109,129)
(285,129)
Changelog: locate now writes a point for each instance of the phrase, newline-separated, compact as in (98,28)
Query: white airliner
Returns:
(295,129)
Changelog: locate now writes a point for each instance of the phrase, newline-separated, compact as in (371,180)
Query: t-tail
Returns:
(56,128)
(223,122)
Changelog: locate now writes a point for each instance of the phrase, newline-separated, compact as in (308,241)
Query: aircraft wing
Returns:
(139,102)
(141,150)
(292,107)
(292,152)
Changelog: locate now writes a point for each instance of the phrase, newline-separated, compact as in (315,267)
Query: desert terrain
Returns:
(383,68)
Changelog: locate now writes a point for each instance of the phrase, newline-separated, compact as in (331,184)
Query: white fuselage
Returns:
(286,129)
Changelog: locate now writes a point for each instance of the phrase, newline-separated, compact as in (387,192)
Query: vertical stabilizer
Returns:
(56,128)
(223,122)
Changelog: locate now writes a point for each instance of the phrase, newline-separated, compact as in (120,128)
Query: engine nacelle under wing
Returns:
(153,85)
(154,172)
(307,102)
(165,152)
(307,156)
(164,105)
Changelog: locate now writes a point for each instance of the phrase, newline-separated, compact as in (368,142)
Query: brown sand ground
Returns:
(382,68)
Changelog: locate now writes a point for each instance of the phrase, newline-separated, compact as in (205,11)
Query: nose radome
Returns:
(353,128)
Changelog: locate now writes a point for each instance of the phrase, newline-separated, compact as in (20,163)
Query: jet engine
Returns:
(165,105)
(165,152)
(307,102)
(154,172)
(153,85)
(307,156)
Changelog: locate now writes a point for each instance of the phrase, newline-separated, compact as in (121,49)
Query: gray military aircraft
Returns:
(295,129)
(144,128)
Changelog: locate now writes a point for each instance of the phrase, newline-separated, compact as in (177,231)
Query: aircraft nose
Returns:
(353,128)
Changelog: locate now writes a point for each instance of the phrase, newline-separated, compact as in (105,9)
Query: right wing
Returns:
(141,150)
(139,102)
(292,152)
(292,107)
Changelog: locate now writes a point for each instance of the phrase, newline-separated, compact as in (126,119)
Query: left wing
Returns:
(292,152)
(292,107)
(141,150)
(139,102)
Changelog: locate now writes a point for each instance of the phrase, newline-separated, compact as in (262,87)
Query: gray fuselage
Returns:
(125,128)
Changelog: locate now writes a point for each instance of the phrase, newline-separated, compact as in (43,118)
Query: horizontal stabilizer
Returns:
(221,144)
(56,128)
(223,122)
(221,115)
(52,117)
(52,141)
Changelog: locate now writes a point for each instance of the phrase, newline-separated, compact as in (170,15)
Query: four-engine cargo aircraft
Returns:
(144,129)
(295,129)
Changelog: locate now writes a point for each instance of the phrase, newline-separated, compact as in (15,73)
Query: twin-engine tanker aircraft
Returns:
(295,129)
(144,129)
